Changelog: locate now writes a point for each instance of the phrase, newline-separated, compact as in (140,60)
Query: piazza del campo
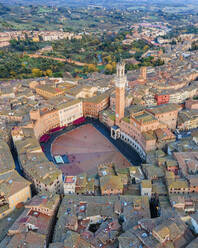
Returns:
(109,160)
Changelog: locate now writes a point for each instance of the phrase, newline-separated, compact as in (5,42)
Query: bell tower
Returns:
(143,73)
(120,84)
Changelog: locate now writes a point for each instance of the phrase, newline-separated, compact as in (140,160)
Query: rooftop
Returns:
(70,179)
(144,117)
(111,182)
(146,184)
(6,159)
(49,89)
(193,244)
(12,183)
(68,104)
(28,240)
(164,108)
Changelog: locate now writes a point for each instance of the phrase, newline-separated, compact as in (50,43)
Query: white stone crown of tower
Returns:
(120,78)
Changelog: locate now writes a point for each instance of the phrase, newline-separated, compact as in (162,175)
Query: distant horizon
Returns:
(98,2)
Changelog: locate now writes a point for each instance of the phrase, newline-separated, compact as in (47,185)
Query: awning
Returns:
(55,129)
(79,121)
(45,138)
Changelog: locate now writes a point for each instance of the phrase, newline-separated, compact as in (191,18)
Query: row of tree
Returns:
(24,45)
(15,65)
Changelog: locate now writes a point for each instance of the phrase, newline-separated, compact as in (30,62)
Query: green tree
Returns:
(36,72)
(48,73)
(108,69)
(91,68)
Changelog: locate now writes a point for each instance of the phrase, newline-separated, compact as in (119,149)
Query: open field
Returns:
(86,148)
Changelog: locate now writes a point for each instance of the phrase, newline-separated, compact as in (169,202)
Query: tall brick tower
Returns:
(143,73)
(120,83)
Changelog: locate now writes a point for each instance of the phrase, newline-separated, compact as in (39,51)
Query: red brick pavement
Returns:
(86,147)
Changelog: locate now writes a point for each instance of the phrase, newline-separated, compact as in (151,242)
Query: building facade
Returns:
(93,106)
(70,112)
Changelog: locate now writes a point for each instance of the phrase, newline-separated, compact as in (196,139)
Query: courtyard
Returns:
(85,148)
